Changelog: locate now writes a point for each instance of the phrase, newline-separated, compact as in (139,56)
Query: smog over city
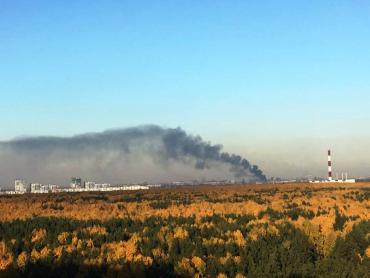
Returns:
(146,153)
(184,139)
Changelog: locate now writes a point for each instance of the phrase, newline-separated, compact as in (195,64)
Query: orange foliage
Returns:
(38,235)
(57,252)
(125,250)
(62,238)
(95,230)
(199,264)
(323,241)
(21,207)
(239,238)
(180,233)
(6,257)
(215,200)
(185,268)
(367,252)
(261,230)
(43,254)
(22,260)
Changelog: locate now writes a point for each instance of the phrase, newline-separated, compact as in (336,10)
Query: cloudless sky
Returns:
(257,76)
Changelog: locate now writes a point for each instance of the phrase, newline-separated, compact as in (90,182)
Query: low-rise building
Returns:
(90,185)
(36,187)
(43,188)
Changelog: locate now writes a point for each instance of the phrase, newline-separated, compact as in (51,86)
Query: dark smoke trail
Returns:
(179,144)
(98,152)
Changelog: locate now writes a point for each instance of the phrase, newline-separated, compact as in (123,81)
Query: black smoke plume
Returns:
(115,149)
(179,144)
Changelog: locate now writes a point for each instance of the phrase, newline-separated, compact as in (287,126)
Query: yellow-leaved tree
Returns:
(22,260)
(6,257)
(38,235)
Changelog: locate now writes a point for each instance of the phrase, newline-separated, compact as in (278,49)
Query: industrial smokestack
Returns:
(329,166)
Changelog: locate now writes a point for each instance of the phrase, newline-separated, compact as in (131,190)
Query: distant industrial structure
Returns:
(329,166)
(330,179)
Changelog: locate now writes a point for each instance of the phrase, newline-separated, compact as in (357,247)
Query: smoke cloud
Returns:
(139,153)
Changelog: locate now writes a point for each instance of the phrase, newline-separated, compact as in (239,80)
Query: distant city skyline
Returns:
(278,82)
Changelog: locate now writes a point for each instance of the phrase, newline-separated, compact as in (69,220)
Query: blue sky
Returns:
(257,76)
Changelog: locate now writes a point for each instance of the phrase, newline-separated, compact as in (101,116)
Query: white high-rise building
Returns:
(20,186)
(76,183)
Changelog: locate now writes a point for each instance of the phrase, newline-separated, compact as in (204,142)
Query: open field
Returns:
(290,230)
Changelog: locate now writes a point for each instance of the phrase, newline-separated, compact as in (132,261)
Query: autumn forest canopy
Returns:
(226,231)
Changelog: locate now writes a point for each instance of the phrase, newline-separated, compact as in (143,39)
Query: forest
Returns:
(291,230)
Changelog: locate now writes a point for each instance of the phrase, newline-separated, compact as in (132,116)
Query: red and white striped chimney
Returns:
(329,166)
